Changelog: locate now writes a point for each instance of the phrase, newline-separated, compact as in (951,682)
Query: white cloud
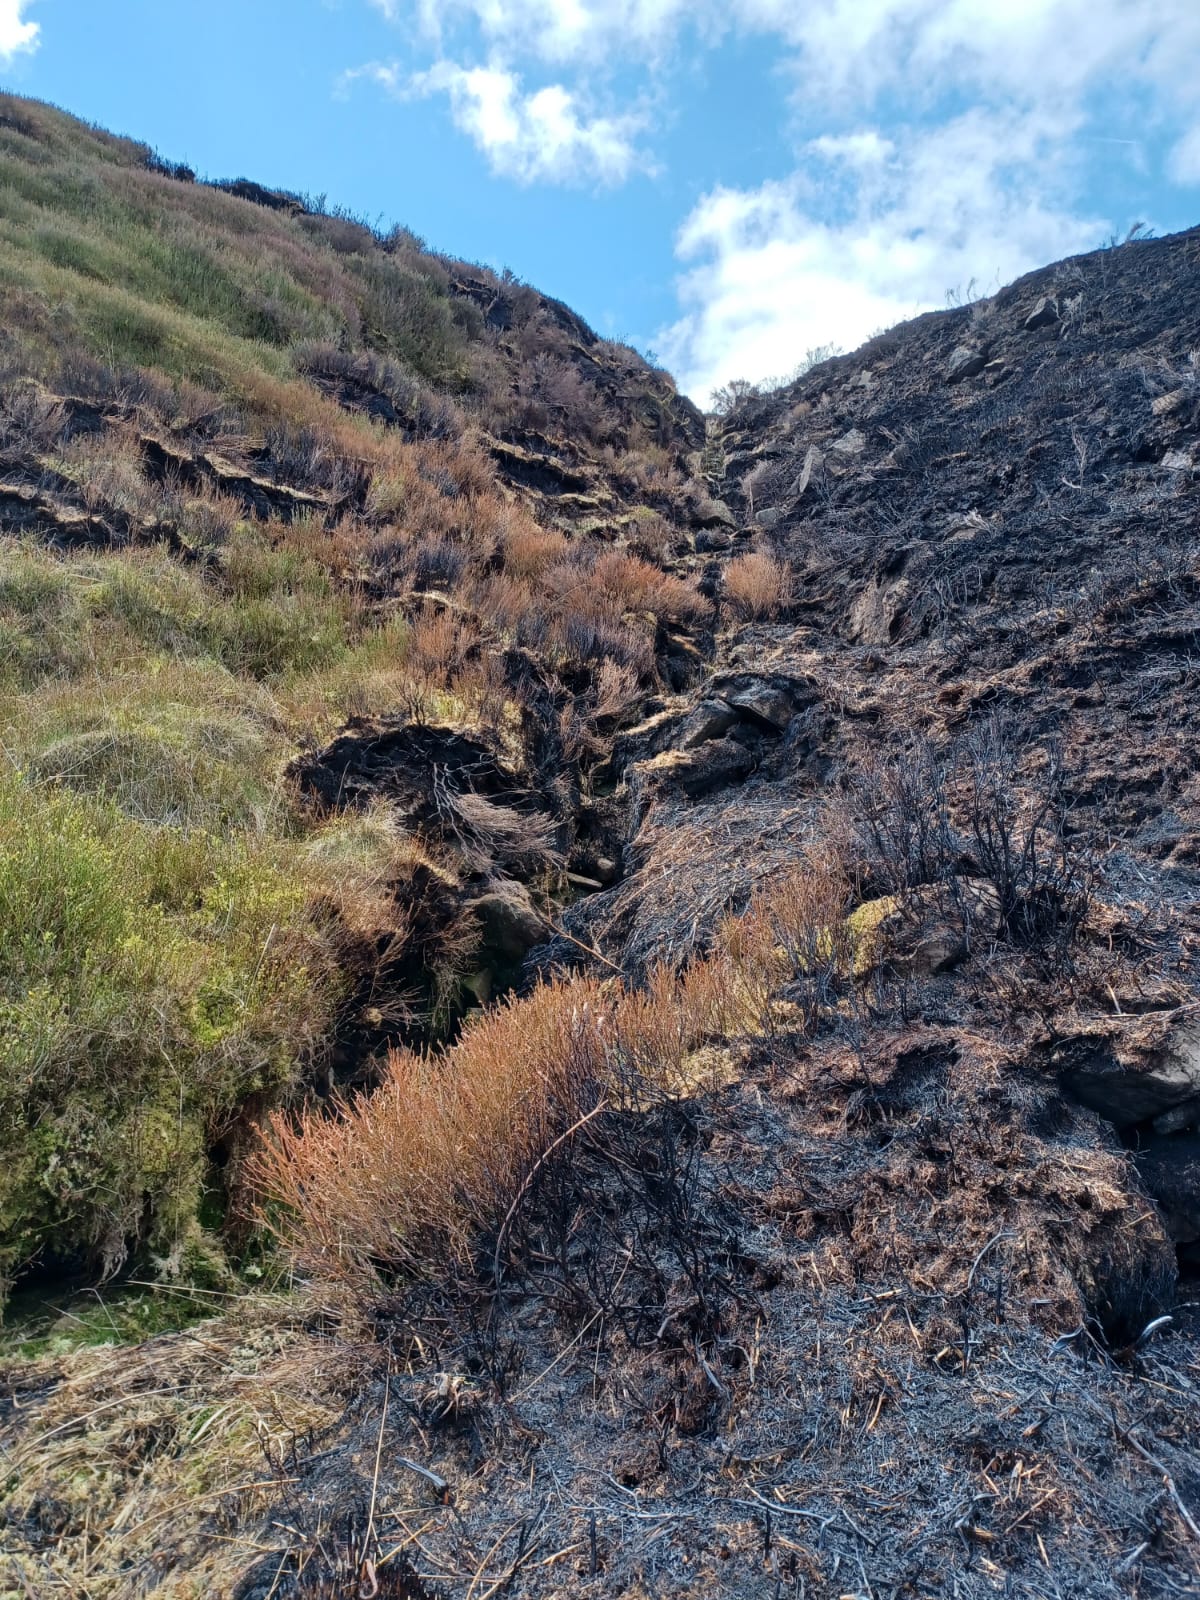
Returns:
(861,46)
(929,213)
(935,142)
(877,224)
(545,135)
(16,34)
(538,136)
(1183,163)
(560,30)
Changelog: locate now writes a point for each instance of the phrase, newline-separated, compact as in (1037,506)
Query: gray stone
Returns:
(712,719)
(813,462)
(1166,403)
(966,361)
(714,514)
(511,923)
(1043,314)
(939,948)
(851,444)
(768,517)
(760,698)
(1128,1092)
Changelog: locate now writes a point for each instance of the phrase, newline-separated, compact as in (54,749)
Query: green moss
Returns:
(864,924)
(35,1328)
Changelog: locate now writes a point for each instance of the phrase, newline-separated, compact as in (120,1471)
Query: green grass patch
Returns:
(152,982)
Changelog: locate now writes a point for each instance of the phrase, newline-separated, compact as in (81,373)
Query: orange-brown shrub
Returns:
(401,1181)
(529,548)
(757,585)
(404,1182)
(634,585)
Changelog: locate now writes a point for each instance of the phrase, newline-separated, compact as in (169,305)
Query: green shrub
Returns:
(152,982)
(180,744)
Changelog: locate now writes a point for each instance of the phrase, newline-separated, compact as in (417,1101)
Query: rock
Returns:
(877,613)
(511,923)
(712,541)
(1139,1085)
(851,444)
(1177,460)
(1166,403)
(1043,314)
(940,948)
(1170,1169)
(692,772)
(1178,1120)
(927,934)
(767,700)
(714,514)
(768,517)
(712,719)
(532,470)
(966,361)
(813,461)
(964,525)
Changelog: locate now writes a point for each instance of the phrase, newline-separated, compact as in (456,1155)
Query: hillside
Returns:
(595,1001)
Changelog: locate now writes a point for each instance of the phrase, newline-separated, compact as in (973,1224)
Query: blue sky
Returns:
(727,182)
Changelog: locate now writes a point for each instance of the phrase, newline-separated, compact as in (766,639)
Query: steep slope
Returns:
(820,1215)
(989,518)
(267,478)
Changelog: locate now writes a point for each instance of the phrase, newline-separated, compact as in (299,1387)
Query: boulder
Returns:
(1131,1084)
(712,719)
(714,514)
(966,361)
(770,701)
(765,701)
(1043,314)
(511,923)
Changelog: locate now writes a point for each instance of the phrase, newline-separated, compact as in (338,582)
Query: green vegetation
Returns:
(171,920)
(104,253)
(247,495)
(151,981)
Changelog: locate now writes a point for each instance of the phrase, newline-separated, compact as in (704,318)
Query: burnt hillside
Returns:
(673,940)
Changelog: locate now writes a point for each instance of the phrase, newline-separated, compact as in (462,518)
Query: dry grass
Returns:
(406,1181)
(170,1446)
(757,585)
